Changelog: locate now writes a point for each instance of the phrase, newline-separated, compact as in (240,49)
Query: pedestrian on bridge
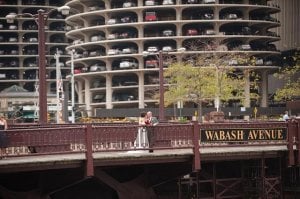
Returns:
(3,137)
(141,140)
(151,121)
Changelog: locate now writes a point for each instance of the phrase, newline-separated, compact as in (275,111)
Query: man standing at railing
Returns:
(286,116)
(3,138)
(151,121)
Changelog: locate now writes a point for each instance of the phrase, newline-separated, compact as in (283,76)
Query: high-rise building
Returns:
(109,38)
(19,63)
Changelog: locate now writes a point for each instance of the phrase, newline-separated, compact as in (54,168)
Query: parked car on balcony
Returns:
(209,32)
(150,3)
(129,50)
(168,33)
(125,35)
(152,49)
(13,27)
(97,67)
(128,4)
(95,38)
(99,98)
(113,51)
(191,32)
(167,48)
(151,63)
(95,7)
(112,21)
(112,36)
(128,64)
(168,2)
(127,19)
(123,97)
(12,39)
(191,1)
(95,53)
(231,16)
(14,63)
(209,1)
(245,47)
(151,16)
(77,41)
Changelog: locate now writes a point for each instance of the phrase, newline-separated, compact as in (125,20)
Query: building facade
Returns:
(19,49)
(111,36)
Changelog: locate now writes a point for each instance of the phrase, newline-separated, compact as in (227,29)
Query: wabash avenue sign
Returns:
(226,135)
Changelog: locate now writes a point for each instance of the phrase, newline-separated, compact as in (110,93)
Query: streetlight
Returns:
(161,113)
(41,18)
(72,85)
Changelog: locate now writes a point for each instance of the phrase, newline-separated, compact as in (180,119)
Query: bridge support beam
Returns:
(196,136)
(89,151)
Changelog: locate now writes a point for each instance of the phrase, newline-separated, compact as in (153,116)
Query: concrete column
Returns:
(247,88)
(87,96)
(264,89)
(79,92)
(141,90)
(109,92)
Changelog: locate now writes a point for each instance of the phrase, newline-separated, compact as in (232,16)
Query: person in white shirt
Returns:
(286,116)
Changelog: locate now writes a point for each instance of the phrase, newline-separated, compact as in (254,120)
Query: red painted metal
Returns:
(292,127)
(298,141)
(272,187)
(82,138)
(229,188)
(89,151)
(41,20)
(196,135)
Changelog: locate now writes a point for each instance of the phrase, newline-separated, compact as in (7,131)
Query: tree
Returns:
(291,76)
(204,78)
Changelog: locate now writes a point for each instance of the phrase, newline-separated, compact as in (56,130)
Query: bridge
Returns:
(189,146)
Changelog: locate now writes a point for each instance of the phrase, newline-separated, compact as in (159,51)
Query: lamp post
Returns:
(161,112)
(41,18)
(72,85)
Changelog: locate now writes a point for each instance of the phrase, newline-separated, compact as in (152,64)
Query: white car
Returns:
(168,2)
(152,49)
(13,27)
(167,49)
(13,39)
(128,4)
(126,64)
(112,21)
(77,41)
(150,3)
(209,1)
(97,38)
(113,52)
(112,36)
(97,67)
(128,50)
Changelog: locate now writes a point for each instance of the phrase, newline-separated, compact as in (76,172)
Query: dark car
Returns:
(123,97)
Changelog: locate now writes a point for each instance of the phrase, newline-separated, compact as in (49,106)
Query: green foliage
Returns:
(291,76)
(209,77)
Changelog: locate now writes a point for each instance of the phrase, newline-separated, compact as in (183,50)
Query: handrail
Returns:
(104,137)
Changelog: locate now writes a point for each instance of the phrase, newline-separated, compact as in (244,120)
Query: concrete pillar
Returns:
(88,97)
(79,91)
(141,90)
(109,92)
(264,89)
